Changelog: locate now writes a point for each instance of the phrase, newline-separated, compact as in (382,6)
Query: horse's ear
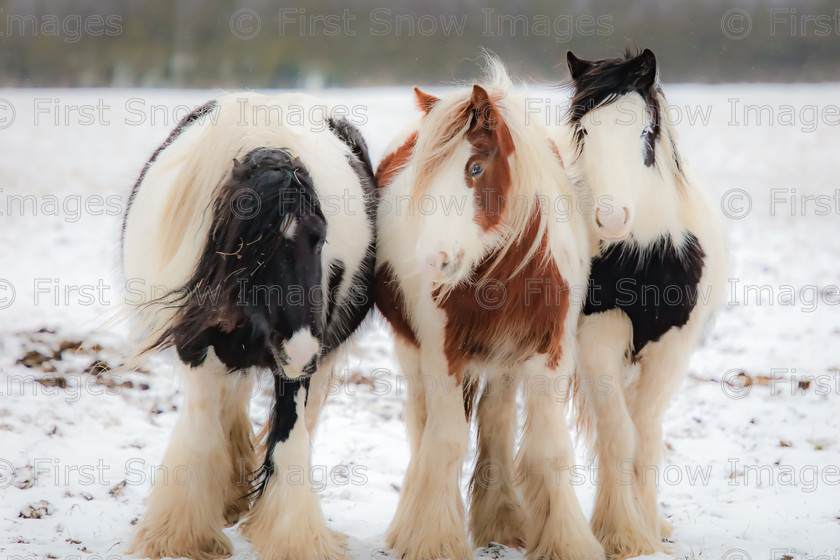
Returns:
(644,66)
(577,66)
(241,171)
(486,114)
(425,102)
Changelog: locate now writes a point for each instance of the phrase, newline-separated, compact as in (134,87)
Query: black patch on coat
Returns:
(196,114)
(352,138)
(655,286)
(334,280)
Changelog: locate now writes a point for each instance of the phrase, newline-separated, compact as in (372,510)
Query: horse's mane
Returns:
(537,176)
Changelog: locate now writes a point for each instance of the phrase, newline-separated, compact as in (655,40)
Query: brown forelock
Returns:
(504,317)
(394,162)
(437,149)
(492,145)
(391,303)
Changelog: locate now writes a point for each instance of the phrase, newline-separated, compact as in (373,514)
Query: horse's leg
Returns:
(495,512)
(237,424)
(186,518)
(408,356)
(616,520)
(318,389)
(555,526)
(663,367)
(429,521)
(286,521)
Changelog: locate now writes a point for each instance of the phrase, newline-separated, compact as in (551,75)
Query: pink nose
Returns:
(612,221)
(436,263)
(440,264)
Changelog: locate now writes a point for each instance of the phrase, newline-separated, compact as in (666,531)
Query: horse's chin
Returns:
(618,238)
(292,372)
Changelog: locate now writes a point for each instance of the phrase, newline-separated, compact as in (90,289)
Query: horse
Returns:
(476,273)
(246,262)
(658,266)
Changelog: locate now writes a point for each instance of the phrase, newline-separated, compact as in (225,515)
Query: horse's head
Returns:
(462,172)
(625,153)
(256,294)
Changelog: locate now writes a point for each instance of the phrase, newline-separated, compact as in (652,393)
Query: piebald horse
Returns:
(234,219)
(476,273)
(658,266)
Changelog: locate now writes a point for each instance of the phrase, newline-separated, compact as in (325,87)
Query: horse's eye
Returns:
(646,131)
(476,170)
(319,246)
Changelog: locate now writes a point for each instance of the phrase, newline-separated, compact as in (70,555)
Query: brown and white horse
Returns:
(477,273)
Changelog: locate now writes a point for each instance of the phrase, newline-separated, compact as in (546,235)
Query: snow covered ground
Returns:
(751,472)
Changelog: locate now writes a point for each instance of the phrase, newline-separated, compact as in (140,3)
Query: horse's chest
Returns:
(656,287)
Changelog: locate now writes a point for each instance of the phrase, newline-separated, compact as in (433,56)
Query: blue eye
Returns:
(476,170)
(646,131)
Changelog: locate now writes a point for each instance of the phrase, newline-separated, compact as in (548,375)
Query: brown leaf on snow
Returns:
(117,489)
(37,510)
(37,360)
(60,382)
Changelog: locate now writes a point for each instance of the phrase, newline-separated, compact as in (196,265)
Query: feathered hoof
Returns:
(415,541)
(505,525)
(625,544)
(562,545)
(175,539)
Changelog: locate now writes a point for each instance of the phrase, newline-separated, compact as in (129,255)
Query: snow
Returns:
(766,457)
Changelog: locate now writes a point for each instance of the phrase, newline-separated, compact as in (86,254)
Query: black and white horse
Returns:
(251,230)
(658,265)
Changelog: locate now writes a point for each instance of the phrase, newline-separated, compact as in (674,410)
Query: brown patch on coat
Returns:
(393,163)
(391,303)
(504,318)
(492,145)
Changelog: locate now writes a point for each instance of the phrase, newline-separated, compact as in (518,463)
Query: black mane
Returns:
(221,305)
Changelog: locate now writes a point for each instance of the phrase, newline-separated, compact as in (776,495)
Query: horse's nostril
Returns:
(612,220)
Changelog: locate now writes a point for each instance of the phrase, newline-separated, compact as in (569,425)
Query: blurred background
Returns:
(90,88)
(264,44)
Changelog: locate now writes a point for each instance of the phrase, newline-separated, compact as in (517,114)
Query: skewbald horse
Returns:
(480,302)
